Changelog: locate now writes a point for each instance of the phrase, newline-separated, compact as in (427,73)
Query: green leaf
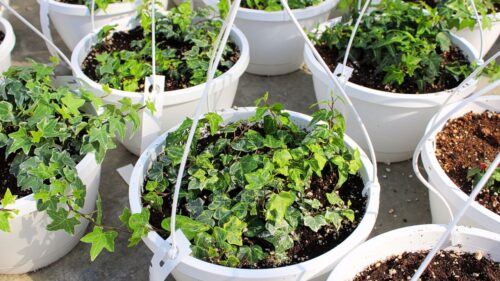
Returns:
(251,254)
(278,204)
(20,140)
(258,179)
(6,113)
(334,199)
(443,41)
(73,103)
(8,199)
(334,218)
(62,221)
(282,157)
(315,223)
(99,240)
(234,230)
(189,226)
(214,121)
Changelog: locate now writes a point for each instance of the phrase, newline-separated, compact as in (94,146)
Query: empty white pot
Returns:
(395,122)
(6,45)
(414,239)
(276,45)
(73,22)
(177,104)
(317,268)
(476,215)
(29,245)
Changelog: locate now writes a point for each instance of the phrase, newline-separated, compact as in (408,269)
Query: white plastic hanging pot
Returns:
(414,239)
(29,245)
(177,104)
(276,46)
(73,22)
(395,122)
(6,45)
(194,269)
(476,215)
(490,35)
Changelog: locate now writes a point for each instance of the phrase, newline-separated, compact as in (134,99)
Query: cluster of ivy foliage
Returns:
(275,5)
(459,13)
(47,131)
(246,181)
(401,42)
(184,41)
(99,4)
(475,174)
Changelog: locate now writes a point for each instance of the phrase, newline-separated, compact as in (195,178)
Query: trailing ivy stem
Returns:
(90,219)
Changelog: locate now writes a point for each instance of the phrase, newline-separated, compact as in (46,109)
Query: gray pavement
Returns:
(403,200)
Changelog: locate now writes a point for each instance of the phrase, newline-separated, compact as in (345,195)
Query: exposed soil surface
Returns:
(366,75)
(466,142)
(312,244)
(446,265)
(2,36)
(122,41)
(7,180)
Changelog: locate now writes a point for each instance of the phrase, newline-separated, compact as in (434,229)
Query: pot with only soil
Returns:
(51,151)
(315,266)
(276,46)
(395,121)
(461,145)
(179,99)
(7,42)
(73,21)
(475,251)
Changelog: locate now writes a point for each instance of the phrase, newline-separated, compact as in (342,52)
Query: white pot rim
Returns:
(396,234)
(27,204)
(365,226)
(82,10)
(236,70)
(429,150)
(359,92)
(10,39)
(281,16)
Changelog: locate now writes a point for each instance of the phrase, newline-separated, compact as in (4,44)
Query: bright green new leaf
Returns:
(99,240)
(278,204)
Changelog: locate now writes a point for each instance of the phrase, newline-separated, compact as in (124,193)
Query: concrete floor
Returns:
(403,200)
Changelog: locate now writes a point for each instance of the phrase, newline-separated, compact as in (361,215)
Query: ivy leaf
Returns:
(334,199)
(189,226)
(334,218)
(62,221)
(214,121)
(6,113)
(443,41)
(278,204)
(252,254)
(20,140)
(282,157)
(348,214)
(315,223)
(234,230)
(4,220)
(8,199)
(73,103)
(258,179)
(99,240)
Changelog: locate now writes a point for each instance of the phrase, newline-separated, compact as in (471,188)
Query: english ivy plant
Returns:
(459,14)
(250,181)
(46,132)
(402,44)
(184,43)
(275,5)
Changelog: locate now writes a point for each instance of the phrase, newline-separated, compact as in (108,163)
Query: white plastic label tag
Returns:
(347,73)
(162,263)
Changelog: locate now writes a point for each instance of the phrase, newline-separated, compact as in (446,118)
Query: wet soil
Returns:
(466,142)
(366,75)
(8,180)
(312,244)
(123,40)
(446,265)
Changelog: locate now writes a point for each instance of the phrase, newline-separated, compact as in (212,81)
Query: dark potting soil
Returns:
(2,36)
(312,244)
(8,180)
(446,265)
(466,142)
(122,41)
(365,75)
